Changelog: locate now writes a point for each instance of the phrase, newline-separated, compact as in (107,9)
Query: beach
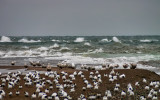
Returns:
(79,50)
(131,77)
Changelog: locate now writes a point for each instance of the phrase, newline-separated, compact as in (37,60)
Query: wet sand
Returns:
(132,76)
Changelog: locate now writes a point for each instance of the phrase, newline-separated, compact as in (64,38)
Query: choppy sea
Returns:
(82,50)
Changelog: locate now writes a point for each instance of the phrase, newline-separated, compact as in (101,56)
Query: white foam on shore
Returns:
(98,61)
(70,58)
(79,39)
(115,39)
(77,59)
(5,39)
(28,41)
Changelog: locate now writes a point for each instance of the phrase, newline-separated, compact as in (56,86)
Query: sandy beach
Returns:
(131,76)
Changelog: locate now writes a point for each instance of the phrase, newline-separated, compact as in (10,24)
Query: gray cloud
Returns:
(79,17)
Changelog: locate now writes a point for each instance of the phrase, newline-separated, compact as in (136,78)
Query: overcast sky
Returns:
(79,17)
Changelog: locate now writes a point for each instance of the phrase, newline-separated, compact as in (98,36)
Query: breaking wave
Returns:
(105,40)
(79,39)
(28,41)
(5,39)
(148,41)
(55,40)
(87,44)
(55,46)
(115,39)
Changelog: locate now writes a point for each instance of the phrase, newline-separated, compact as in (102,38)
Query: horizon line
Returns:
(73,35)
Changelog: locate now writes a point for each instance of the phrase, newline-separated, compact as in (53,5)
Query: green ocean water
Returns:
(82,49)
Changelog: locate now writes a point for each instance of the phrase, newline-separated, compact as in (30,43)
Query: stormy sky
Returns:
(79,17)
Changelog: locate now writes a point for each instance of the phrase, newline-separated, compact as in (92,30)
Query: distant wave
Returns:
(54,46)
(105,40)
(5,39)
(64,49)
(79,39)
(87,44)
(115,39)
(28,41)
(97,50)
(147,40)
(55,40)
(43,48)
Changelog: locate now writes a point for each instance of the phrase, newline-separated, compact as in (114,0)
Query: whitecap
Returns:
(43,54)
(105,40)
(87,44)
(64,48)
(65,41)
(5,39)
(97,50)
(115,39)
(43,48)
(54,46)
(28,41)
(25,47)
(55,40)
(146,40)
(155,40)
(2,53)
(79,39)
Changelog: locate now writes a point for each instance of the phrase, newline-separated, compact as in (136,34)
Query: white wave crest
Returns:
(105,40)
(115,39)
(42,49)
(25,47)
(55,40)
(98,50)
(145,40)
(64,48)
(54,46)
(28,41)
(2,53)
(79,39)
(5,39)
(87,44)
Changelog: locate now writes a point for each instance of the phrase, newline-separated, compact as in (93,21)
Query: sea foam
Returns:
(115,39)
(87,44)
(79,39)
(28,41)
(105,40)
(145,40)
(42,48)
(5,39)
(54,46)
(55,40)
